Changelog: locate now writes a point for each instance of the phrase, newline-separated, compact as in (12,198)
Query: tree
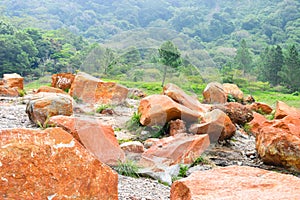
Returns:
(272,62)
(169,56)
(243,58)
(290,72)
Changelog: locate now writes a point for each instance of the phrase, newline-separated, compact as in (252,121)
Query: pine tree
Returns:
(170,56)
(290,72)
(272,62)
(243,58)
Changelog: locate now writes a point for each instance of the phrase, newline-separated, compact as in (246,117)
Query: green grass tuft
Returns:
(127,168)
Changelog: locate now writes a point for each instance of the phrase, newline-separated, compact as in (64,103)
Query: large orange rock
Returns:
(50,89)
(235,183)
(282,110)
(260,107)
(179,96)
(238,113)
(91,90)
(51,164)
(278,143)
(181,148)
(8,92)
(160,109)
(13,81)
(257,123)
(233,90)
(44,105)
(96,137)
(62,80)
(216,124)
(214,94)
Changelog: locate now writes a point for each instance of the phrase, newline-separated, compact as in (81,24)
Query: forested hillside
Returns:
(219,40)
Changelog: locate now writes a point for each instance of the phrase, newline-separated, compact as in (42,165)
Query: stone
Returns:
(62,81)
(44,105)
(135,93)
(235,183)
(160,109)
(150,142)
(282,110)
(91,90)
(50,89)
(249,99)
(238,113)
(278,143)
(179,96)
(133,147)
(260,107)
(181,148)
(13,81)
(51,164)
(216,124)
(8,92)
(233,90)
(176,127)
(214,94)
(256,123)
(165,176)
(99,139)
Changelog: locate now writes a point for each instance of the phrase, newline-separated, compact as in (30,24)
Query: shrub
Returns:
(102,107)
(127,168)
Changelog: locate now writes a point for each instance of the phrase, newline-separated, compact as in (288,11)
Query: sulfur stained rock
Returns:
(282,110)
(216,124)
(257,123)
(92,90)
(13,81)
(176,149)
(92,134)
(44,105)
(51,164)
(235,183)
(179,96)
(260,107)
(238,113)
(233,90)
(50,89)
(160,109)
(63,80)
(278,142)
(214,94)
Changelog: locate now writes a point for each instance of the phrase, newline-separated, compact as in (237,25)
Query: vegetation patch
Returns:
(127,168)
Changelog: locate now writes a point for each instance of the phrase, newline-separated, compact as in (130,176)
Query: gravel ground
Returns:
(12,115)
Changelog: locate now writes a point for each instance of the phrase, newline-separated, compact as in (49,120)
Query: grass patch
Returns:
(43,81)
(270,98)
(127,168)
(102,107)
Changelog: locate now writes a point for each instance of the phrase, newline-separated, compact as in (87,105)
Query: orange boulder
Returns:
(51,164)
(235,183)
(92,134)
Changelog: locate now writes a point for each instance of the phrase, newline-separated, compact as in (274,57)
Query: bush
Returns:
(127,168)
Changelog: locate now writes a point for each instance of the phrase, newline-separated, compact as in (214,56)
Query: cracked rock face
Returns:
(50,164)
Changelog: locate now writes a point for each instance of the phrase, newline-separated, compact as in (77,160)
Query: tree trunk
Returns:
(164,77)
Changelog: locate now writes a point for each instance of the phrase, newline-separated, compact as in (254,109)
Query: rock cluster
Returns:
(278,140)
(71,160)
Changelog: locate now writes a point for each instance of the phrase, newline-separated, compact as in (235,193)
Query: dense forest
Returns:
(211,40)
